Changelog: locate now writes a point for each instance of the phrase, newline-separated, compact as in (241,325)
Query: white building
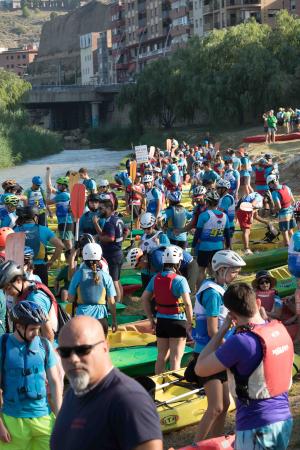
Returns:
(198,17)
(88,58)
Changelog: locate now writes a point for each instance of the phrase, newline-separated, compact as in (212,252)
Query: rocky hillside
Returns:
(16,30)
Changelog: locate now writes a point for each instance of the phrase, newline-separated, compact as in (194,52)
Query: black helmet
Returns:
(28,313)
(93,198)
(8,271)
(84,239)
(27,212)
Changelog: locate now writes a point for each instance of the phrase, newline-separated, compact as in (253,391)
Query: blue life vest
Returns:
(36,198)
(62,209)
(88,291)
(231,210)
(178,218)
(228,176)
(151,201)
(24,376)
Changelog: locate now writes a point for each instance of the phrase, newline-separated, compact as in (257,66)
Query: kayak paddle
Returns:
(14,248)
(74,178)
(77,205)
(132,174)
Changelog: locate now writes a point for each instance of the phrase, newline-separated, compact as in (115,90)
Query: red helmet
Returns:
(4,232)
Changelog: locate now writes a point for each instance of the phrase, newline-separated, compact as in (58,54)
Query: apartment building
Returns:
(106,73)
(89,58)
(210,14)
(182,21)
(17,59)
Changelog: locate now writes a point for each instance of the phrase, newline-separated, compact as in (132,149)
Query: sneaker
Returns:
(248,252)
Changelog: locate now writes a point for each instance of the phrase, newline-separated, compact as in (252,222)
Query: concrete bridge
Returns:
(72,106)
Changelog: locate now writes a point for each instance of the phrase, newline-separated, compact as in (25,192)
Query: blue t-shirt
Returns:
(90,184)
(179,286)
(210,175)
(26,408)
(86,223)
(236,163)
(96,311)
(41,299)
(45,235)
(7,219)
(114,228)
(243,351)
(225,203)
(153,196)
(245,162)
(175,178)
(62,202)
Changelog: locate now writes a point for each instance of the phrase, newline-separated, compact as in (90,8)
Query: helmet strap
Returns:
(23,337)
(20,292)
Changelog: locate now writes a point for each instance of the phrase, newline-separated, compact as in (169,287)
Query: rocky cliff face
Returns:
(58,58)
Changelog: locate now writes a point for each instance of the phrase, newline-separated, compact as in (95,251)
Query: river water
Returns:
(100,162)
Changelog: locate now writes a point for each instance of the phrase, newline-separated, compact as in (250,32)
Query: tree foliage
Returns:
(12,88)
(231,74)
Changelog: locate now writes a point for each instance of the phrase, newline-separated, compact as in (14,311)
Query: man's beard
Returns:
(79,381)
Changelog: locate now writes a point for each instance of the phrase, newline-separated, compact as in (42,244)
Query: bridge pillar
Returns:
(95,115)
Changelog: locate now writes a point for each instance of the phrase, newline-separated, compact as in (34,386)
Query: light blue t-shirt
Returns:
(277,197)
(96,311)
(166,215)
(45,235)
(179,286)
(41,299)
(8,219)
(26,408)
(246,163)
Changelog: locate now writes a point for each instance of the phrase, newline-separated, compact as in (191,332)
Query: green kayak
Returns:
(130,276)
(265,260)
(137,361)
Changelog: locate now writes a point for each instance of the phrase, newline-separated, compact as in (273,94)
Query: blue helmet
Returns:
(37,181)
(28,313)
(172,168)
(175,196)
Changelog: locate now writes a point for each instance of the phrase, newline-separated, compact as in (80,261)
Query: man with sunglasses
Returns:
(27,363)
(104,409)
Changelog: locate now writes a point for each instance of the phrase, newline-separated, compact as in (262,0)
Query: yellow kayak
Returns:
(122,339)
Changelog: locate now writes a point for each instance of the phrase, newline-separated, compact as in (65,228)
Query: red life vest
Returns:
(171,187)
(267,298)
(285,197)
(278,356)
(40,287)
(166,302)
(260,177)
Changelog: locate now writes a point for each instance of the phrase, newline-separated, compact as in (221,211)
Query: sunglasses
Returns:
(264,281)
(79,350)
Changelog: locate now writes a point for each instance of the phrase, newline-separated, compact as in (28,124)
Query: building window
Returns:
(272,12)
(11,57)
(156,28)
(7,66)
(18,57)
(12,66)
(196,23)
(24,56)
(7,57)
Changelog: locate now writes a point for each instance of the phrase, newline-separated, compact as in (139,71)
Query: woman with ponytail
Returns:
(92,288)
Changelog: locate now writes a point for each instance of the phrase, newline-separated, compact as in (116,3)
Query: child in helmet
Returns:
(8,214)
(87,220)
(211,233)
(153,196)
(175,217)
(61,200)
(210,313)
(91,288)
(103,188)
(173,310)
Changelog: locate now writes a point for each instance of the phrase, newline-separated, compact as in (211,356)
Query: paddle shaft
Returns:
(181,396)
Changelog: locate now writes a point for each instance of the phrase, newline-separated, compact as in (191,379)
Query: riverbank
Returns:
(20,142)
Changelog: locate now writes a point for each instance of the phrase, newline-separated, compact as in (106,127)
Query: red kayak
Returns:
(129,289)
(217,443)
(279,137)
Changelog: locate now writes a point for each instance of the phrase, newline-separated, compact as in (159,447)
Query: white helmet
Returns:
(272,178)
(172,255)
(92,252)
(103,183)
(147,178)
(157,169)
(147,220)
(223,183)
(199,190)
(226,258)
(133,256)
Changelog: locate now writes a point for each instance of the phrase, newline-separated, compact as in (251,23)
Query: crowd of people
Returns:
(285,120)
(188,264)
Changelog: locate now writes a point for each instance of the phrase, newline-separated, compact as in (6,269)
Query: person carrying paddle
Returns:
(283,201)
(259,359)
(38,237)
(173,310)
(36,196)
(28,362)
(61,200)
(91,288)
(104,408)
(210,313)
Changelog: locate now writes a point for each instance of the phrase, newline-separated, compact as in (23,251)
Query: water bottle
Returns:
(294,255)
(297,298)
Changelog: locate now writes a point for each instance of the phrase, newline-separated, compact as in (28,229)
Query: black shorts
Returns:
(170,328)
(65,227)
(190,375)
(204,257)
(114,266)
(136,211)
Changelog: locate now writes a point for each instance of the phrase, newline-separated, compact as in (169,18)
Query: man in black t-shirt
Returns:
(103,409)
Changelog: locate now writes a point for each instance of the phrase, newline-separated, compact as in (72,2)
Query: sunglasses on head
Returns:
(79,350)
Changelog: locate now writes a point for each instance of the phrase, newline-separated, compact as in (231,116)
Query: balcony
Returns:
(207,9)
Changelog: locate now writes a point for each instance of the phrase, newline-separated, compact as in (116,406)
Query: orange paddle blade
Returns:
(78,200)
(132,171)
(14,248)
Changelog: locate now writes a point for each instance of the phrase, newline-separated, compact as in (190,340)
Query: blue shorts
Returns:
(288,224)
(273,436)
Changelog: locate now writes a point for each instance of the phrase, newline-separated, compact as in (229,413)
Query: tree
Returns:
(12,89)
(25,12)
